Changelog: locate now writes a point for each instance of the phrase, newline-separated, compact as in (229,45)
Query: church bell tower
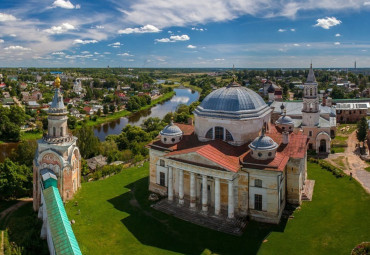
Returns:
(311,104)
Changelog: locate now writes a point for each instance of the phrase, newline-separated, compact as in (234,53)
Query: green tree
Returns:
(24,153)
(362,128)
(87,142)
(15,180)
(105,109)
(112,107)
(72,122)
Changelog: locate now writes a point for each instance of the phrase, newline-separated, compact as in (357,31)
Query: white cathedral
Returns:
(233,162)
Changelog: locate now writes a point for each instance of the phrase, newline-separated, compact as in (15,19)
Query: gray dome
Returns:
(233,102)
(285,120)
(233,98)
(263,143)
(171,130)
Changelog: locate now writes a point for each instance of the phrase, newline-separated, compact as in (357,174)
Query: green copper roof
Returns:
(61,231)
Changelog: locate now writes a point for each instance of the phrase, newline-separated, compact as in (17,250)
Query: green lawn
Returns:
(114,216)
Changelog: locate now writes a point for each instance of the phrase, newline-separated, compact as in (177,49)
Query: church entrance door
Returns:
(322,147)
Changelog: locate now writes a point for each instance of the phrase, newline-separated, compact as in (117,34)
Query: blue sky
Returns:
(189,33)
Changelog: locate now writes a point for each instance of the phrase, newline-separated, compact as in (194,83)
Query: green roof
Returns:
(61,231)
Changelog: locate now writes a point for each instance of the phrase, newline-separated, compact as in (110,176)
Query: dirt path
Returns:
(14,207)
(353,163)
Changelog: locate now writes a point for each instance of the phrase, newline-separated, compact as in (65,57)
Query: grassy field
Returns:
(114,215)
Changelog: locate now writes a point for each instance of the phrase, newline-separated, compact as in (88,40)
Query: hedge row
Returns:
(337,172)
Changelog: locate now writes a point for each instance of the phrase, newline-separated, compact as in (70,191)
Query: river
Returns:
(183,96)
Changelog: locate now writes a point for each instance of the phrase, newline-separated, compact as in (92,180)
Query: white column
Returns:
(170,184)
(192,191)
(231,201)
(181,186)
(204,194)
(217,196)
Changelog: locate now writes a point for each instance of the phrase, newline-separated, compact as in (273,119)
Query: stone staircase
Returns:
(308,190)
(219,223)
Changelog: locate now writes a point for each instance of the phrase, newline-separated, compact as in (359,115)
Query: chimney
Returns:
(190,121)
(285,137)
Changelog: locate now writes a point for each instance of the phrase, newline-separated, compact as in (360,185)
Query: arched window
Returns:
(61,131)
(54,131)
(173,140)
(209,134)
(219,133)
(310,91)
(258,183)
(229,137)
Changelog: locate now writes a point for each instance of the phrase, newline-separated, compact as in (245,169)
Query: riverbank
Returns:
(125,113)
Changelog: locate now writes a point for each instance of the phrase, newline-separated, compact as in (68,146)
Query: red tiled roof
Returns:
(232,158)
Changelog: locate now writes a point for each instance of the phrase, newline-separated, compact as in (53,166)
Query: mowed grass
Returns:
(114,216)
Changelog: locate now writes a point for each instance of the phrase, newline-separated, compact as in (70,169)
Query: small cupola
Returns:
(263,147)
(171,134)
(285,123)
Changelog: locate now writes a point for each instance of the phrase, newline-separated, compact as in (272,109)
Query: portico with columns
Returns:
(200,189)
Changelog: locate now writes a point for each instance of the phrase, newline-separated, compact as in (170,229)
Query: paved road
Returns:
(353,163)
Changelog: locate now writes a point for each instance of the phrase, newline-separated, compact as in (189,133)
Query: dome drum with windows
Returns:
(234,114)
(171,134)
(263,147)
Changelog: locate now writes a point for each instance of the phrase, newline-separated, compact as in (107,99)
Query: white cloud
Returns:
(366,3)
(106,53)
(327,22)
(65,4)
(164,40)
(292,29)
(198,29)
(13,35)
(79,41)
(98,27)
(281,30)
(191,46)
(6,17)
(219,59)
(85,52)
(58,53)
(296,45)
(337,43)
(179,37)
(308,45)
(1,41)
(17,47)
(140,30)
(115,45)
(60,29)
(125,54)
(170,32)
(337,35)
(174,38)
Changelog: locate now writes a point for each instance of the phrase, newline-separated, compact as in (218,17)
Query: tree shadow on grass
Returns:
(160,230)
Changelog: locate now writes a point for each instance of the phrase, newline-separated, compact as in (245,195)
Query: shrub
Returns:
(361,249)
(337,172)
